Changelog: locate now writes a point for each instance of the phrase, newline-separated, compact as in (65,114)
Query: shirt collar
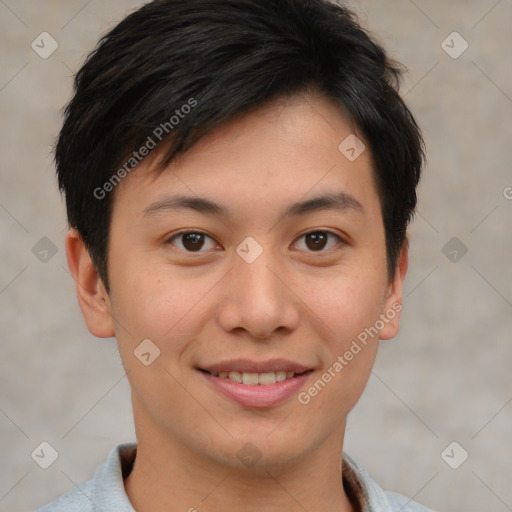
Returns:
(108,479)
(368,493)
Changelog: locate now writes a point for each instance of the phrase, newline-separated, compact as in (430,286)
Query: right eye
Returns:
(190,241)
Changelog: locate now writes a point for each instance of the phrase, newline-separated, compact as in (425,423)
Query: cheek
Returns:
(158,302)
(346,302)
(150,302)
(139,298)
(346,310)
(347,315)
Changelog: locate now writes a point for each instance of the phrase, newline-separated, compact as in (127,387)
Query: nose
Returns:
(257,299)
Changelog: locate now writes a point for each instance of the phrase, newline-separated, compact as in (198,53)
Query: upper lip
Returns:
(247,366)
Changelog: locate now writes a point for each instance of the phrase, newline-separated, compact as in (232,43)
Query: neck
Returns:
(170,476)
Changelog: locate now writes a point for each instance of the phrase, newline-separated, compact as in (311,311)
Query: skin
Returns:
(292,302)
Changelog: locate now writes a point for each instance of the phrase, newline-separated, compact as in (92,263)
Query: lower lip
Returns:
(258,395)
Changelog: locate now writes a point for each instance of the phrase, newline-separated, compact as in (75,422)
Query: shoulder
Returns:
(402,503)
(78,499)
(105,491)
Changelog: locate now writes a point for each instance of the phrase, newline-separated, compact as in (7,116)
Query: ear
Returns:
(393,300)
(92,296)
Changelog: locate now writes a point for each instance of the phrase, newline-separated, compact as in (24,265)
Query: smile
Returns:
(254,379)
(256,390)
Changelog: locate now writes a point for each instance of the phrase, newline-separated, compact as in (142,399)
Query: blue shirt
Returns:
(105,491)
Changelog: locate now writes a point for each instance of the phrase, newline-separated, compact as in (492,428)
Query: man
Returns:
(239,177)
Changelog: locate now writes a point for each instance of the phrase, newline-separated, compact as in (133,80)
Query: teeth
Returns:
(252,379)
(267,378)
(236,376)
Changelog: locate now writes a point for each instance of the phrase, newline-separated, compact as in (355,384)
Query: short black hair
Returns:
(174,70)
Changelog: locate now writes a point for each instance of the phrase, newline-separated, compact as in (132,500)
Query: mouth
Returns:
(256,379)
(256,385)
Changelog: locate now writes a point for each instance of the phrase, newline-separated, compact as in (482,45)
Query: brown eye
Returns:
(317,241)
(191,241)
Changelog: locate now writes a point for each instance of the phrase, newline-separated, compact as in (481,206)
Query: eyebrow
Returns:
(340,201)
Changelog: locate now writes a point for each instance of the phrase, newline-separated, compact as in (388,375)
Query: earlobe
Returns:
(393,302)
(92,297)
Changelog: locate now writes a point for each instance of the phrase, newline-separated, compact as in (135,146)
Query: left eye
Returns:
(194,241)
(318,240)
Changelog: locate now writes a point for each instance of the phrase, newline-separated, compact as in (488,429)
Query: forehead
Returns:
(288,149)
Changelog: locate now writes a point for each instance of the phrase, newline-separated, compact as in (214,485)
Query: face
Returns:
(254,274)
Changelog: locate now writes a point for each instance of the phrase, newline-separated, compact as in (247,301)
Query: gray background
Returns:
(445,378)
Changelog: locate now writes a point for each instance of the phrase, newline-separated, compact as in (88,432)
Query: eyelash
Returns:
(324,231)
